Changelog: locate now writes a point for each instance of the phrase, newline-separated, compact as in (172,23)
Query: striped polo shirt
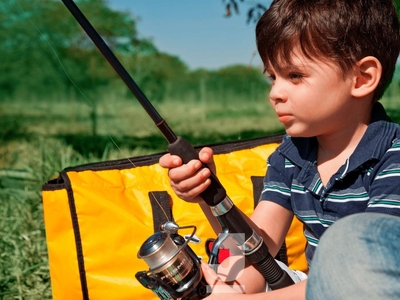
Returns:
(368,181)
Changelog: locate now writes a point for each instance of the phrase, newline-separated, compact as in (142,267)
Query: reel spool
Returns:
(174,267)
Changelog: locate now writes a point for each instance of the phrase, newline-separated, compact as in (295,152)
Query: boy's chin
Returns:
(298,133)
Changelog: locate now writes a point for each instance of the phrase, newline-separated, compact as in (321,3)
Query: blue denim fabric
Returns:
(357,258)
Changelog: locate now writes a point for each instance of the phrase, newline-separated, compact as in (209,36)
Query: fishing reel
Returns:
(175,271)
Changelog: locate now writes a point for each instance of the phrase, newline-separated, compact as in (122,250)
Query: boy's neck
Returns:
(334,149)
(340,143)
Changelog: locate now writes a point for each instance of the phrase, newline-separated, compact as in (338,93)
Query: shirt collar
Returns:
(375,142)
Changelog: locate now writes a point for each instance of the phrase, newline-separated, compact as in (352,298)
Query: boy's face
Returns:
(311,97)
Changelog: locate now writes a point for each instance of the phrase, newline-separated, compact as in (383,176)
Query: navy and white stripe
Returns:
(368,181)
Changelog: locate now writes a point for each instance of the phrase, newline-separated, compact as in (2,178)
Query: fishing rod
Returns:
(228,215)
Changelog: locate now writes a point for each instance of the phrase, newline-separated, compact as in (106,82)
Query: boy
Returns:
(329,63)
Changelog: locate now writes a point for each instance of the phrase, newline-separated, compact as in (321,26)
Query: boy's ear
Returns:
(367,76)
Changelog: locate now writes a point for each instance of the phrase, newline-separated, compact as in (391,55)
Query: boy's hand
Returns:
(220,290)
(191,179)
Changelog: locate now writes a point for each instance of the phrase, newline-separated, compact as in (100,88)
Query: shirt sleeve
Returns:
(276,182)
(384,191)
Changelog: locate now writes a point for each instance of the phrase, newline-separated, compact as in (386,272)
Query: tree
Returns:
(45,51)
(43,46)
(254,10)
(155,72)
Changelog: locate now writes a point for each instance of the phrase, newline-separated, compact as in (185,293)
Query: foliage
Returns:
(257,8)
(23,264)
(43,47)
(46,124)
(39,139)
(153,73)
(47,54)
(24,270)
(254,10)
(221,85)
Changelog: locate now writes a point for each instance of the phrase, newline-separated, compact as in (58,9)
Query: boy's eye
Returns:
(295,76)
(271,77)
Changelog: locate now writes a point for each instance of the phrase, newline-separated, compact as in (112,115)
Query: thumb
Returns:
(206,156)
(217,285)
(209,274)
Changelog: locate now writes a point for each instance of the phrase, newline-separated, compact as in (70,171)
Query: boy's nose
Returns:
(278,92)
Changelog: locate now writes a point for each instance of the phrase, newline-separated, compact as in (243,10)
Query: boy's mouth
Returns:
(284,118)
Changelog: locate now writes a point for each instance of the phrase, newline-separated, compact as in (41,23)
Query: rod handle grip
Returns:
(273,274)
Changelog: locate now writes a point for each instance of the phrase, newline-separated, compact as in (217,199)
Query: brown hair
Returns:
(340,31)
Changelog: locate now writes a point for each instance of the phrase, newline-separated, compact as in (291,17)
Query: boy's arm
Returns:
(221,290)
(384,190)
(271,222)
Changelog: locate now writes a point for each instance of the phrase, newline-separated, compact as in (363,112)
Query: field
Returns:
(39,138)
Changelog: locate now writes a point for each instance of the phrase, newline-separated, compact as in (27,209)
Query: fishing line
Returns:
(144,178)
(230,218)
(92,105)
(57,57)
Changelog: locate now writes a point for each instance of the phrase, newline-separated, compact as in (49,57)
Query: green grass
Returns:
(40,138)
(23,264)
(123,124)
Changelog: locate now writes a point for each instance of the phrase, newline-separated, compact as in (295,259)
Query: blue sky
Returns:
(195,30)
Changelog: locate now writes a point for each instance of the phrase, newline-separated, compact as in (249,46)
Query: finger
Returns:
(189,180)
(191,170)
(190,188)
(170,161)
(206,155)
(215,282)
(210,275)
(192,195)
